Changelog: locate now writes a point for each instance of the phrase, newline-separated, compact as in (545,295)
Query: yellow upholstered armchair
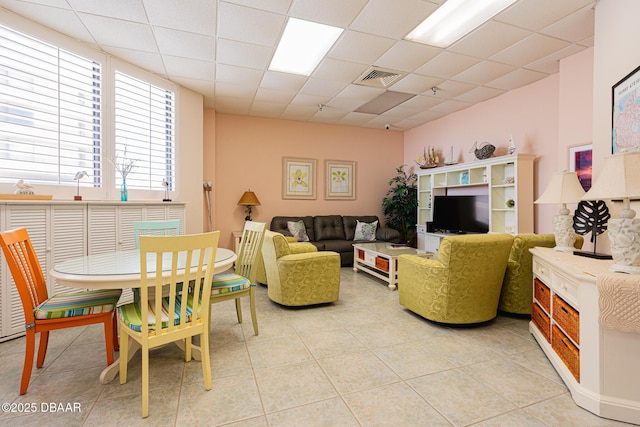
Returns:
(463,285)
(299,278)
(517,287)
(294,246)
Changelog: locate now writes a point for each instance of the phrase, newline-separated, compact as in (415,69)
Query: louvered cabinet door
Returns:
(67,237)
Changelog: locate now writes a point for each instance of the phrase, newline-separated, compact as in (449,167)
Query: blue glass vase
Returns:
(124,193)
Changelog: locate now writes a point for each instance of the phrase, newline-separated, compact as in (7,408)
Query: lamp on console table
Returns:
(564,187)
(249,199)
(620,179)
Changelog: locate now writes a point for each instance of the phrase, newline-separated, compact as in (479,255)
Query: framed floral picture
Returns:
(580,163)
(298,178)
(340,180)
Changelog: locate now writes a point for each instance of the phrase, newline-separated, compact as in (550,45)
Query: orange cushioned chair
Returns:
(43,313)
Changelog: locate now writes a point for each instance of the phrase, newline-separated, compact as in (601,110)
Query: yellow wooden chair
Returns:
(241,282)
(43,313)
(175,312)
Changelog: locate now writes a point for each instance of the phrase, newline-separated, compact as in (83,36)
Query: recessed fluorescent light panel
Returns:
(302,46)
(455,19)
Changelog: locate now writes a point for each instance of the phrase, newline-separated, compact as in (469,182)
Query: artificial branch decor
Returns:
(591,216)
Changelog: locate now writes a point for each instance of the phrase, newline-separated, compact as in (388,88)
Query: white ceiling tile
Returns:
(346,104)
(551,64)
(394,19)
(117,33)
(361,93)
(321,87)
(407,56)
(537,14)
(278,96)
(299,111)
(488,39)
(360,47)
(422,102)
(235,90)
(335,69)
(129,10)
(452,88)
(204,87)
(451,106)
(249,25)
(238,75)
(355,119)
(199,17)
(309,100)
(233,52)
(479,94)
(447,64)
(278,6)
(147,60)
(338,13)
(574,28)
(282,81)
(483,72)
(186,67)
(187,45)
(414,83)
(516,79)
(530,49)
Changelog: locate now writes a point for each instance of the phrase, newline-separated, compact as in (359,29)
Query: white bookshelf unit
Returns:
(503,179)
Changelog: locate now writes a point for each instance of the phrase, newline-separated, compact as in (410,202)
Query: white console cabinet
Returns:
(598,363)
(60,230)
(504,179)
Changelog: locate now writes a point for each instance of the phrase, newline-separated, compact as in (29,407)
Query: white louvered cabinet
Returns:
(63,230)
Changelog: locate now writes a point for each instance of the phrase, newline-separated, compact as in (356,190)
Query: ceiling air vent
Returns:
(379,77)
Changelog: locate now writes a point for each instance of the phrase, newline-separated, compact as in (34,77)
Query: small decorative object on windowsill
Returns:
(123,166)
(23,187)
(591,216)
(165,184)
(619,179)
(78,177)
(249,199)
(428,159)
(484,151)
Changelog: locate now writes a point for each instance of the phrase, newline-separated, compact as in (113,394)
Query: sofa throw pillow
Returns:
(298,230)
(365,231)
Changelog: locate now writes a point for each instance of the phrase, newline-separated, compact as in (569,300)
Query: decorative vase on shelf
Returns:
(124,193)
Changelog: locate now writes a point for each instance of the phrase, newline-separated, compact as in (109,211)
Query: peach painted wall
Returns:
(248,155)
(530,114)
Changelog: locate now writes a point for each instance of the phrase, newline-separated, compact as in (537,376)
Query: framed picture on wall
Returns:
(298,178)
(625,120)
(340,180)
(580,163)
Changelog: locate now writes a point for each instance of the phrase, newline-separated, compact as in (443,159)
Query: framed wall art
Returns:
(340,180)
(298,178)
(580,163)
(625,120)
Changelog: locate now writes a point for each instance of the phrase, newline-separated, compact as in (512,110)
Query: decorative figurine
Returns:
(165,184)
(23,187)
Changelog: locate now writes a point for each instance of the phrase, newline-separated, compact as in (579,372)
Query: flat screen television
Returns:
(461,214)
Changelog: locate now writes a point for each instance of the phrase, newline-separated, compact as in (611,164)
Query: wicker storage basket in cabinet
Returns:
(567,318)
(542,294)
(541,320)
(568,352)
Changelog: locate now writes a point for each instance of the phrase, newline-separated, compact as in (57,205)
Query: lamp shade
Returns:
(618,179)
(564,187)
(249,198)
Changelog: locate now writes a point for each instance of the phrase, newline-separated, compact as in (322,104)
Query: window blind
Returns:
(50,112)
(145,132)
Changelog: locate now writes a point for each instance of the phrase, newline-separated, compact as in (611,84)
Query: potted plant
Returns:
(400,205)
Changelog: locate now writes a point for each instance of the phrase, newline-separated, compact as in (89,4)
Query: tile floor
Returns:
(363,361)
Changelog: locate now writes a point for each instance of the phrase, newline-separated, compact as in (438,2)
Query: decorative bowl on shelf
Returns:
(428,166)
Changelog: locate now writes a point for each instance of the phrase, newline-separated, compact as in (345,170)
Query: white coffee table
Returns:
(381,260)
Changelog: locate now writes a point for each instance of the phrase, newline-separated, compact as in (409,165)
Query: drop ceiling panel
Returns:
(128,10)
(393,19)
(335,69)
(414,83)
(242,54)
(361,93)
(238,75)
(282,81)
(490,38)
(451,106)
(575,28)
(360,47)
(537,14)
(249,25)
(447,64)
(321,87)
(153,61)
(406,56)
(515,79)
(199,17)
(277,6)
(479,94)
(550,64)
(483,72)
(183,44)
(530,49)
(452,88)
(338,13)
(119,33)
(186,67)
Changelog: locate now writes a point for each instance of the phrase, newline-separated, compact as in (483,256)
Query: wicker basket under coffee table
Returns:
(381,260)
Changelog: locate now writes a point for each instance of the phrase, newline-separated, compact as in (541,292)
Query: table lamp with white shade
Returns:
(564,187)
(620,179)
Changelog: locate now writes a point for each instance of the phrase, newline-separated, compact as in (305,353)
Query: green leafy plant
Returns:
(400,205)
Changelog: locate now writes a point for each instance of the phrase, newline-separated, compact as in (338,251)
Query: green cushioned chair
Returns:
(294,246)
(517,286)
(297,279)
(463,285)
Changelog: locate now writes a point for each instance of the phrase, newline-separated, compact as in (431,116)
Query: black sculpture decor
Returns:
(591,216)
